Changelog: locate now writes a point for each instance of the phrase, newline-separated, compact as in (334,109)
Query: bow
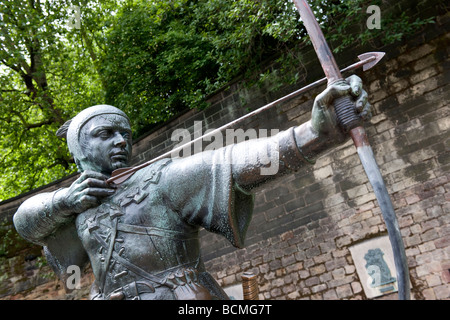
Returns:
(350,123)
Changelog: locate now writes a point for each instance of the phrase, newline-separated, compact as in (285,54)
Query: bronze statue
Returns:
(141,237)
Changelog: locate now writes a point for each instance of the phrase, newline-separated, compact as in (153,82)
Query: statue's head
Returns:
(99,138)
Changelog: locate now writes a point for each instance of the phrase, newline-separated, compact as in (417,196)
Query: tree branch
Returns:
(11,66)
(27,125)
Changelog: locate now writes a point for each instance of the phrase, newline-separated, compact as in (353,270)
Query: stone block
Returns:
(344,291)
(416,53)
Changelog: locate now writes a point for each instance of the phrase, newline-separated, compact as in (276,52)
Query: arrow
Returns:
(367,61)
(349,122)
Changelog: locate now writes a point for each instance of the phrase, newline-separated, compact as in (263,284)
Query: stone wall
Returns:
(304,225)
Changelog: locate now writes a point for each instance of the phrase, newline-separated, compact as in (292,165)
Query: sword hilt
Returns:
(346,115)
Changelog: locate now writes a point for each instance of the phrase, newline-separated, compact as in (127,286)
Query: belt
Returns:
(131,291)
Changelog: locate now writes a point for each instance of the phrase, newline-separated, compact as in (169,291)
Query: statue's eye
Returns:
(104,134)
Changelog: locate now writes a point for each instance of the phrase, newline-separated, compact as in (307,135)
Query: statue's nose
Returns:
(119,140)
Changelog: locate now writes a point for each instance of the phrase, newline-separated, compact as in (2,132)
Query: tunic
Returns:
(149,228)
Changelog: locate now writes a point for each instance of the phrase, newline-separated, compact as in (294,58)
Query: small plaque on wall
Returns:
(374,262)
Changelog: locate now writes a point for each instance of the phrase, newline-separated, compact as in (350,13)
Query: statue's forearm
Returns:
(311,144)
(40,216)
(258,161)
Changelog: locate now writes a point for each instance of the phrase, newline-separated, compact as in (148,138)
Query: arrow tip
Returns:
(376,57)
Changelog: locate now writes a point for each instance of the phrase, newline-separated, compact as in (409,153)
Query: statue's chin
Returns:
(119,164)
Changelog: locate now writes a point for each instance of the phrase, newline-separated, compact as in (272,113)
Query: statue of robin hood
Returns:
(142,237)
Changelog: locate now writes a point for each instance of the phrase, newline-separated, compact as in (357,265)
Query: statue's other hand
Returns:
(323,118)
(86,192)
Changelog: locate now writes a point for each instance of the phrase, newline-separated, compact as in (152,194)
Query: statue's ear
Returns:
(62,131)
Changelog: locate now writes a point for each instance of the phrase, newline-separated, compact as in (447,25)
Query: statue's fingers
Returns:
(88,174)
(361,101)
(366,113)
(336,90)
(85,202)
(339,89)
(96,183)
(99,192)
(355,83)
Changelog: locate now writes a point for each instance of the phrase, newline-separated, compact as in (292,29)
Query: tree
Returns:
(46,76)
(166,56)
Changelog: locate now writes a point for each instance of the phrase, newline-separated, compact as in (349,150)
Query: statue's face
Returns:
(106,143)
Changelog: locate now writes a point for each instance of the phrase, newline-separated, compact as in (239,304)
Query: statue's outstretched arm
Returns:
(256,162)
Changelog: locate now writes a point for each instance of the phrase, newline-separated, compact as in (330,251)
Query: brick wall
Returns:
(303,226)
(299,239)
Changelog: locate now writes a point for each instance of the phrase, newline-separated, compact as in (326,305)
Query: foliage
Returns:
(149,58)
(46,76)
(165,56)
(346,23)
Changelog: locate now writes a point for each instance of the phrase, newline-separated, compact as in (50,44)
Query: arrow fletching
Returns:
(120,175)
